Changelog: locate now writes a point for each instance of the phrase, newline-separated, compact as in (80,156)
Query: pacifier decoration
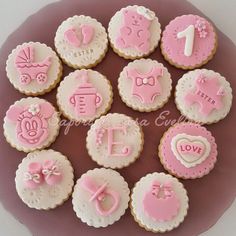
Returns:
(85,99)
(99,195)
(145,86)
(113,145)
(190,150)
(38,173)
(30,70)
(31,122)
(77,38)
(150,15)
(160,202)
(208,93)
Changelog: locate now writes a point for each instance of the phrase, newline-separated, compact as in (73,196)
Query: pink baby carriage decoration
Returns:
(30,70)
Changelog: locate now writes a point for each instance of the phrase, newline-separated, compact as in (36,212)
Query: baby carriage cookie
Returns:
(33,68)
(31,124)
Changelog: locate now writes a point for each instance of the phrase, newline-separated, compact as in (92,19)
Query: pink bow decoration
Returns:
(161,190)
(34,177)
(98,193)
(52,171)
(145,81)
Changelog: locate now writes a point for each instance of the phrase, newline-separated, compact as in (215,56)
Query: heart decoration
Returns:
(190,150)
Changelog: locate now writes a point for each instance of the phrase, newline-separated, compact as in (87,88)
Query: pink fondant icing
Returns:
(161,202)
(207,93)
(99,193)
(134,32)
(33,177)
(72,36)
(111,142)
(30,70)
(51,172)
(85,99)
(203,44)
(31,122)
(173,164)
(145,86)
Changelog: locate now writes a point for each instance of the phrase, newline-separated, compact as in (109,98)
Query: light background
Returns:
(14,12)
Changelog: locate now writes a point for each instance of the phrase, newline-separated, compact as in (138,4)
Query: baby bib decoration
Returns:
(160,202)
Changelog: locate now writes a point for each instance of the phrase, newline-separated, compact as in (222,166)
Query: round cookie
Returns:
(203,96)
(33,68)
(81,41)
(44,179)
(100,197)
(145,85)
(84,95)
(159,202)
(134,32)
(189,41)
(114,140)
(188,151)
(31,124)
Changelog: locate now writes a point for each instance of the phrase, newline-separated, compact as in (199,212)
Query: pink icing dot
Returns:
(174,48)
(174,165)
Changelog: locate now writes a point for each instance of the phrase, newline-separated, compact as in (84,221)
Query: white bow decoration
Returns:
(52,171)
(148,14)
(34,177)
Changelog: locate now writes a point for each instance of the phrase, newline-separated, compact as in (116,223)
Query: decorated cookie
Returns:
(44,179)
(100,197)
(33,68)
(203,96)
(145,85)
(30,124)
(81,41)
(134,32)
(189,41)
(115,140)
(188,150)
(159,202)
(84,95)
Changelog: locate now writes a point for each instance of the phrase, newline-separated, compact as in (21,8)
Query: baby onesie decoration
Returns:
(145,85)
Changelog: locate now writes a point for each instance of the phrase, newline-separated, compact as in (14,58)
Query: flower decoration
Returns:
(200,26)
(99,134)
(34,109)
